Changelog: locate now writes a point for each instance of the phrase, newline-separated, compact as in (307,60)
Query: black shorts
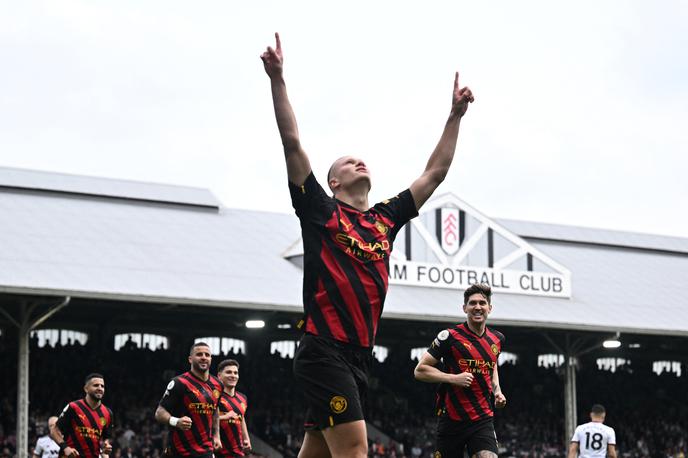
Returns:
(334,378)
(454,436)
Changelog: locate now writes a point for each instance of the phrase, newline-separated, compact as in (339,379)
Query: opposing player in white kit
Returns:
(46,447)
(593,439)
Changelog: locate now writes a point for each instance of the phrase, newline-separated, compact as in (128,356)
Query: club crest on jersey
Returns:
(338,404)
(103,421)
(216,394)
(381,227)
(494,349)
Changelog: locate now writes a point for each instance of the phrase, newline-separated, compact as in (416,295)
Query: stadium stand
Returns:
(398,406)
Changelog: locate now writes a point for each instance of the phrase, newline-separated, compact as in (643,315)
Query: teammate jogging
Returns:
(232,413)
(469,352)
(347,245)
(84,427)
(189,407)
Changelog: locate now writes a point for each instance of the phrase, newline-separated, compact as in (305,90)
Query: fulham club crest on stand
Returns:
(448,232)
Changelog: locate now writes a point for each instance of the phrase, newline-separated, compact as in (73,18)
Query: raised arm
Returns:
(298,165)
(441,158)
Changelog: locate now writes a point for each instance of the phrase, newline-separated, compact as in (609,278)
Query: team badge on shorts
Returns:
(494,349)
(338,404)
(437,454)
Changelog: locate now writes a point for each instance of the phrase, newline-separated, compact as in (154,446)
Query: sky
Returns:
(580,117)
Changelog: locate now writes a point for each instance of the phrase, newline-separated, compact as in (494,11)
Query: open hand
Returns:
(273,59)
(460,98)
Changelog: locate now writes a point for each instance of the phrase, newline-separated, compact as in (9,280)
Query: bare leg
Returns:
(314,446)
(484,454)
(348,440)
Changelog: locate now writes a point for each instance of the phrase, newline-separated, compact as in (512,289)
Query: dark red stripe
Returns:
(348,295)
(82,444)
(330,314)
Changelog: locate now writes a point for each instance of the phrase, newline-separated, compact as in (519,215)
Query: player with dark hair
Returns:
(346,245)
(84,427)
(594,439)
(469,353)
(189,407)
(233,406)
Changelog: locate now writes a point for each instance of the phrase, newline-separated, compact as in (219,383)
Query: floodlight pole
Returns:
(25,325)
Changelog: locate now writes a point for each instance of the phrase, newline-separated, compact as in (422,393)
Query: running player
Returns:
(233,406)
(189,407)
(469,352)
(84,427)
(593,439)
(46,447)
(346,260)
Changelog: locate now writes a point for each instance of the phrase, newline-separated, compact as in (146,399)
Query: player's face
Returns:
(51,423)
(477,308)
(229,376)
(349,170)
(200,359)
(95,388)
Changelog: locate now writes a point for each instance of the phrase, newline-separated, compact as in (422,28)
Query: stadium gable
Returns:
(62,239)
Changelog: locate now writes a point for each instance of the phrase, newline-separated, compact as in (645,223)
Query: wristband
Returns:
(63,446)
(173,421)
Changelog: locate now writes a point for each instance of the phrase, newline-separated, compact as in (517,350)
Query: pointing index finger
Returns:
(456,80)
(278,43)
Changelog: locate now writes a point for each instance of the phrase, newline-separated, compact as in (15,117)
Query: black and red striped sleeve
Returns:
(109,425)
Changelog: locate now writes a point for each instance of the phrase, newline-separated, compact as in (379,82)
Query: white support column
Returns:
(570,399)
(25,325)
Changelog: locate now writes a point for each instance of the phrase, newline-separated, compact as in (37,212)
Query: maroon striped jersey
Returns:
(188,395)
(346,261)
(231,431)
(83,428)
(462,350)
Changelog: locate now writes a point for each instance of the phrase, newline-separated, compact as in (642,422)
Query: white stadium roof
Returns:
(112,239)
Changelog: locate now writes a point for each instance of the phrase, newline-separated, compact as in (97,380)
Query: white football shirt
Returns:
(593,438)
(46,448)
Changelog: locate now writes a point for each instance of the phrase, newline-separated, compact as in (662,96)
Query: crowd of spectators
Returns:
(649,412)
